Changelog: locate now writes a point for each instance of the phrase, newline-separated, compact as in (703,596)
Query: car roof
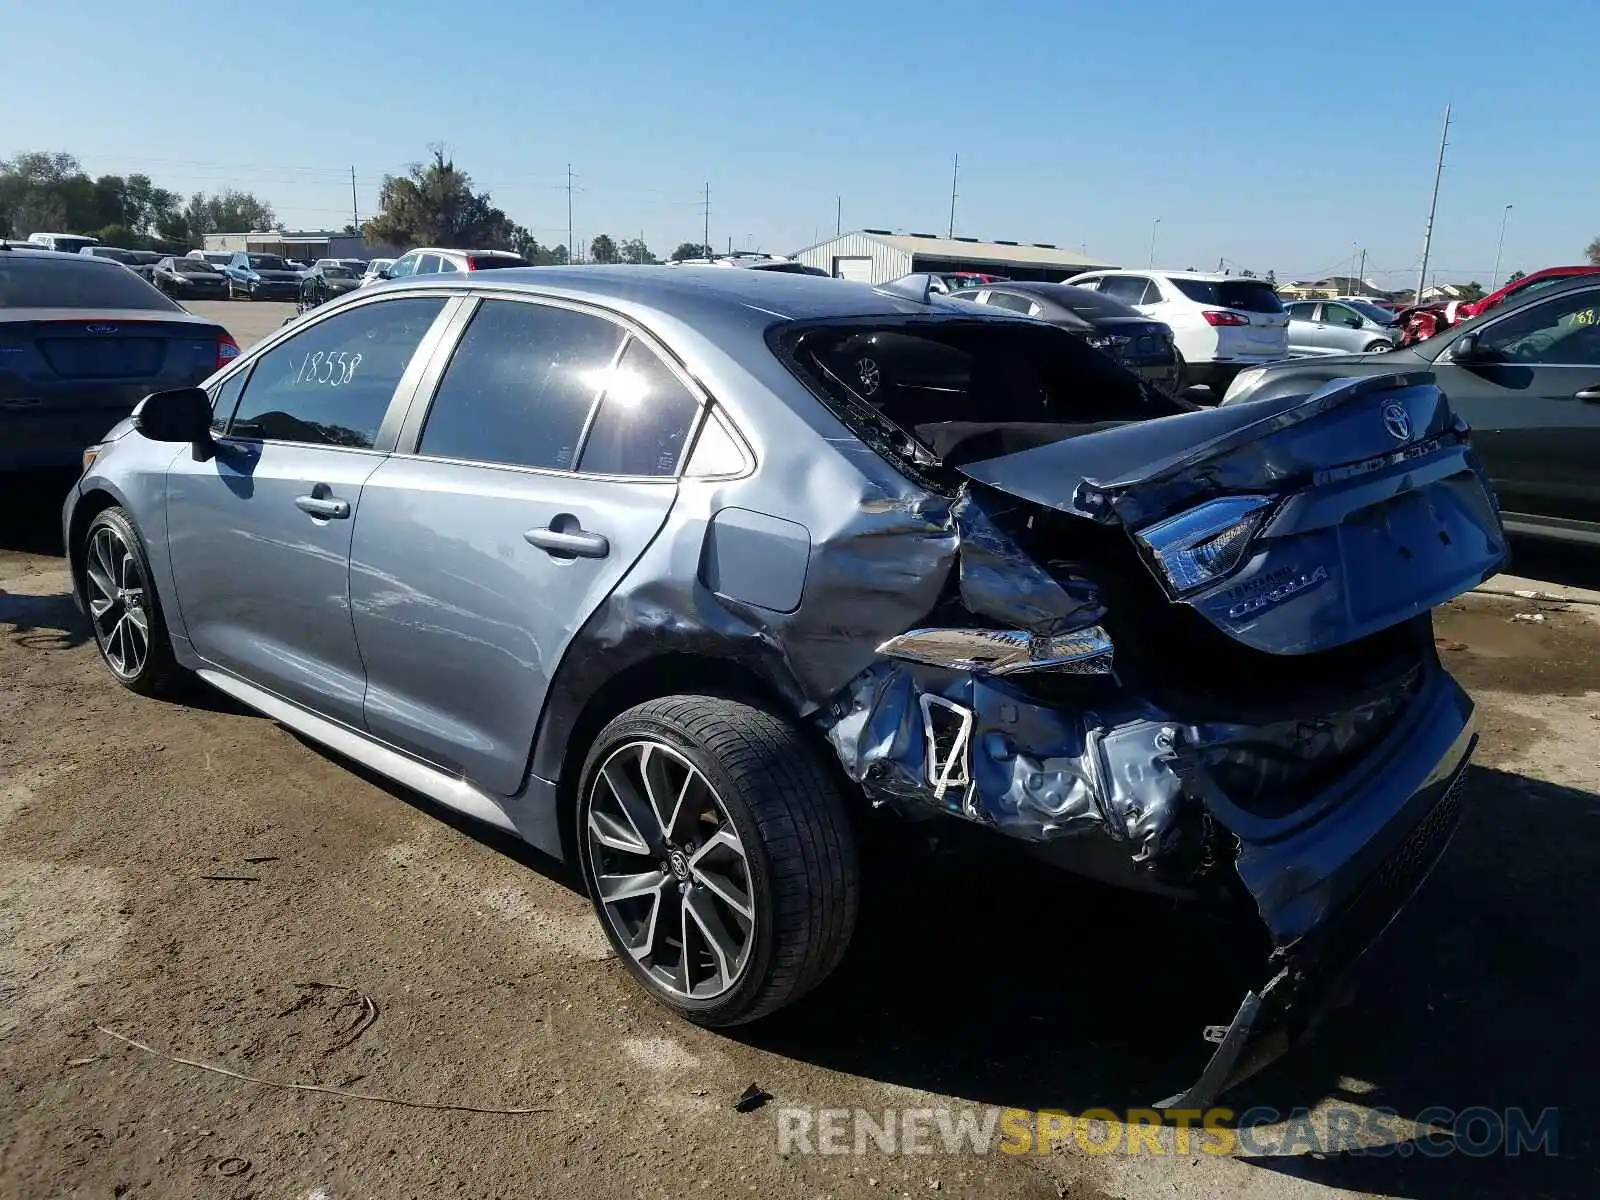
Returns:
(704,296)
(44,252)
(461,250)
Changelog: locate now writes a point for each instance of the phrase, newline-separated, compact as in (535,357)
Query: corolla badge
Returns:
(1397,421)
(99,328)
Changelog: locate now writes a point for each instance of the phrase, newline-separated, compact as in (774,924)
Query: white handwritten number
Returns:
(326,366)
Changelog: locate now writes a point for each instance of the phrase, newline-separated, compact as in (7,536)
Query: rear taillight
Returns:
(227,351)
(1213,317)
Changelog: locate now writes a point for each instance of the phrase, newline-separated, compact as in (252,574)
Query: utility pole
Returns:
(1361,271)
(955,174)
(571,249)
(1433,207)
(838,215)
(1153,226)
(1494,279)
(706,235)
(355,213)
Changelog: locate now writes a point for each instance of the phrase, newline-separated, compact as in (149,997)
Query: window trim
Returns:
(1448,353)
(399,399)
(422,401)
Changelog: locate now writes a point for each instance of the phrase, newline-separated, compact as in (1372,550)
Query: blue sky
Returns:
(1272,135)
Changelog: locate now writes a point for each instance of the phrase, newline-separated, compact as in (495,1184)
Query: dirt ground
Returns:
(194,878)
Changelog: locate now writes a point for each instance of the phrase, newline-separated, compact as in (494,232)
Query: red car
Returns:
(1422,321)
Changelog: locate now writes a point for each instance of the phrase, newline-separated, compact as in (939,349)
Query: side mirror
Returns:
(1465,349)
(180,415)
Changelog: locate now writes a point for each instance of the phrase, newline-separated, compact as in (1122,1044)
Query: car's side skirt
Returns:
(529,815)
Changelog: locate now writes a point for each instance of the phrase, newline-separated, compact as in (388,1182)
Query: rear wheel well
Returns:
(651,679)
(88,508)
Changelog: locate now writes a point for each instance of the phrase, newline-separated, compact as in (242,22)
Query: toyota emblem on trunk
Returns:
(1397,421)
(99,328)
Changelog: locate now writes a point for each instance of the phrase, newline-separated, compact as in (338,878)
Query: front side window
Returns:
(330,385)
(1564,331)
(225,399)
(403,266)
(520,385)
(1338,314)
(644,418)
(1130,289)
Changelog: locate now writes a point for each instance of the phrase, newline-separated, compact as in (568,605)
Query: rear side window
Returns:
(74,281)
(331,384)
(1301,311)
(1246,295)
(1019,304)
(644,419)
(491,262)
(520,385)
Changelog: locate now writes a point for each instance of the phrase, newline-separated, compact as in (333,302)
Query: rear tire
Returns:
(742,897)
(124,609)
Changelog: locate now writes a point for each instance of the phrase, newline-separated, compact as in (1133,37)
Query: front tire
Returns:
(123,607)
(1378,347)
(718,855)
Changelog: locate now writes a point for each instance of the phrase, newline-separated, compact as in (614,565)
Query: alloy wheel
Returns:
(117,602)
(670,873)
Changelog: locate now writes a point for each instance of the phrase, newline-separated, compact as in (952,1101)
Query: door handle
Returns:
(325,507)
(1590,394)
(576,542)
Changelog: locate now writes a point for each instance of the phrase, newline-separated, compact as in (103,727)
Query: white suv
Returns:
(1221,324)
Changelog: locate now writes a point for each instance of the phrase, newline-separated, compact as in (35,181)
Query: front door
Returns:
(1533,400)
(543,468)
(260,534)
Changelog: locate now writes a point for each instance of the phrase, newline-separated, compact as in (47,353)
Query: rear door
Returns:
(544,465)
(260,534)
(1303,328)
(1535,406)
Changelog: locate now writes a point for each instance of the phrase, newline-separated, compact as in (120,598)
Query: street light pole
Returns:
(1494,280)
(1153,225)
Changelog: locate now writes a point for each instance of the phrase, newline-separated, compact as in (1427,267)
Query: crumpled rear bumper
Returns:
(1309,974)
(1326,876)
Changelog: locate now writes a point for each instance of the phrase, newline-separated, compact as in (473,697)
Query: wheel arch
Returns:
(567,733)
(89,506)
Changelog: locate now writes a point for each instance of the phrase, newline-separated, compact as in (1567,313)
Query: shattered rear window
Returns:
(947,392)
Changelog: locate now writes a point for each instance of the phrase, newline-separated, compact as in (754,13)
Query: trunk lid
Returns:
(56,361)
(1293,525)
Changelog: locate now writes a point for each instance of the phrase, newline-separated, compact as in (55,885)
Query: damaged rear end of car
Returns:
(1186,651)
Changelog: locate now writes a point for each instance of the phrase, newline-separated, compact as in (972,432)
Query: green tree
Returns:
(525,244)
(1593,251)
(557,256)
(1471,291)
(691,250)
(434,205)
(1516,275)
(1272,278)
(603,250)
(635,251)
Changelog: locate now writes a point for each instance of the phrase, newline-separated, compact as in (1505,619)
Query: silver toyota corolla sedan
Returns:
(674,572)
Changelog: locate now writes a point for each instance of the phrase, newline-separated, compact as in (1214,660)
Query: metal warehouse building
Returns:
(876,255)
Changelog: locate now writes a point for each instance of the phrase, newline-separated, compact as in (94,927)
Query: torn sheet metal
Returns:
(1036,772)
(998,580)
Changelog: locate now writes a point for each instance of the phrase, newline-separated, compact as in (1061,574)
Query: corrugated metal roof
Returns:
(1000,252)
